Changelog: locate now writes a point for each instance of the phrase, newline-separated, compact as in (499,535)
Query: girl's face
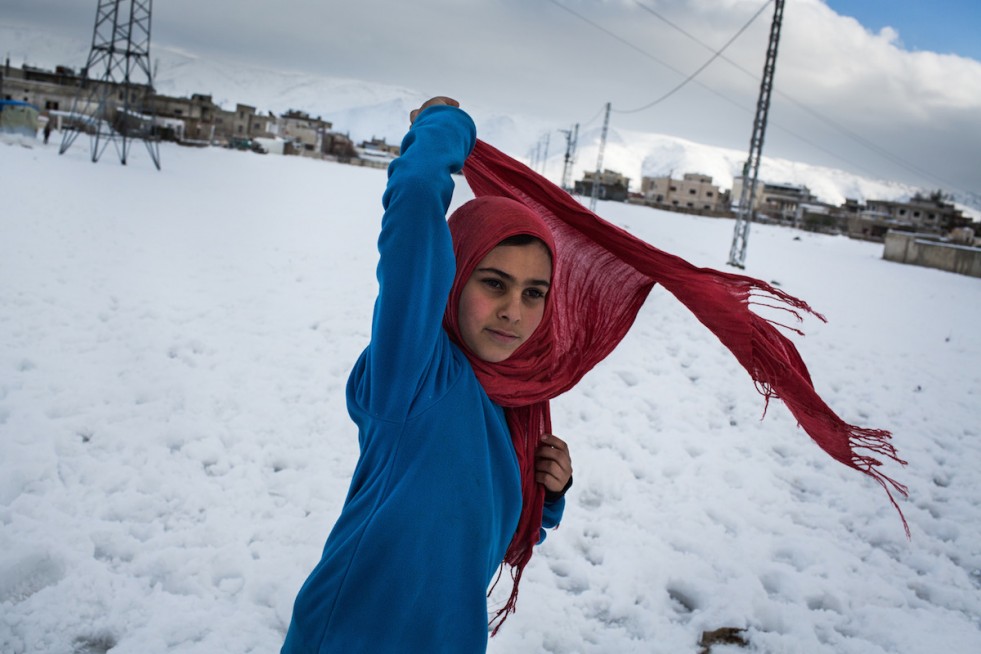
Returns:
(502,303)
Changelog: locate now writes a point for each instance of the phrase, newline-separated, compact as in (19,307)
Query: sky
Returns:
(892,93)
(946,26)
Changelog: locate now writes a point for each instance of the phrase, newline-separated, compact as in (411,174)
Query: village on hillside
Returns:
(927,229)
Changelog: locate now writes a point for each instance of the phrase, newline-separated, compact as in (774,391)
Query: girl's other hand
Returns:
(553,465)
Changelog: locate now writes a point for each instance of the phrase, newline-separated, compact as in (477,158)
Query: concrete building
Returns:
(612,185)
(304,131)
(694,191)
(922,214)
(780,203)
(929,214)
(46,90)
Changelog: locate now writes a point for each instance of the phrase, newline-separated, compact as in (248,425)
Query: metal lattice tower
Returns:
(599,161)
(571,139)
(116,82)
(746,209)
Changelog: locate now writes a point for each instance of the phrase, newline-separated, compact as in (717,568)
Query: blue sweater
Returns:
(436,495)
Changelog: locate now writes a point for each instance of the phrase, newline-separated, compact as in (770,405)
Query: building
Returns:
(46,90)
(197,113)
(305,133)
(612,185)
(693,192)
(780,203)
(929,214)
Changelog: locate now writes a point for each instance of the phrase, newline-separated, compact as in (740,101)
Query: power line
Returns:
(615,36)
(716,54)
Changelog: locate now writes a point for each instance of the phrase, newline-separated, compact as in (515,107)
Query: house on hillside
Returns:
(694,192)
(612,185)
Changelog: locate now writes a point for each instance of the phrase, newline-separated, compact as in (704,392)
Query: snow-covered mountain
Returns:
(366,110)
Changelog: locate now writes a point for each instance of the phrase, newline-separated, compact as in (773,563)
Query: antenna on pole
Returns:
(111,107)
(599,160)
(571,139)
(746,209)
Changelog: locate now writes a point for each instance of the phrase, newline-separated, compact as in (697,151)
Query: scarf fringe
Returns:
(511,605)
(860,448)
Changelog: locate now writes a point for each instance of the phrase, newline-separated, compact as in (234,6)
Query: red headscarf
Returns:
(601,277)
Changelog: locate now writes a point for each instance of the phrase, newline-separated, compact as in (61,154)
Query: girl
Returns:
(476,327)
(440,495)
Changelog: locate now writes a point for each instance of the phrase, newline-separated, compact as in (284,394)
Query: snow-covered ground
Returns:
(174,445)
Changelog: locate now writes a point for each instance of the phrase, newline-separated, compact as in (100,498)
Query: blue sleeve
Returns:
(416,265)
(551,517)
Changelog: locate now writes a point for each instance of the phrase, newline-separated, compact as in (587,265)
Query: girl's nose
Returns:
(510,309)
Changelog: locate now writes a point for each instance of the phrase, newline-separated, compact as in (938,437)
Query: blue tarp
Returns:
(19,118)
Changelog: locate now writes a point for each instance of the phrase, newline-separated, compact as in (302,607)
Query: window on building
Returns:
(708,194)
(240,129)
(707,207)
(690,205)
(178,112)
(692,191)
(674,188)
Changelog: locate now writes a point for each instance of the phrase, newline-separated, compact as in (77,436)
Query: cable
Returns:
(716,54)
(615,36)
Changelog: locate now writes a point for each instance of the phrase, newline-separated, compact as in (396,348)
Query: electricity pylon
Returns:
(111,107)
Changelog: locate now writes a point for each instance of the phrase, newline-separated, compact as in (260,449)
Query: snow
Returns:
(174,443)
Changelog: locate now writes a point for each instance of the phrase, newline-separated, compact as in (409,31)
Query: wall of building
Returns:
(926,250)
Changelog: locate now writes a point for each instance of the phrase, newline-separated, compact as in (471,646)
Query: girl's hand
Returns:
(553,465)
(432,102)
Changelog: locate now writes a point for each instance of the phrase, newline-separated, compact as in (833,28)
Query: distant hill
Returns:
(365,110)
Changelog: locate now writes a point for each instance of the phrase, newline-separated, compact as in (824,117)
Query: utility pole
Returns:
(112,107)
(548,136)
(599,160)
(746,209)
(571,138)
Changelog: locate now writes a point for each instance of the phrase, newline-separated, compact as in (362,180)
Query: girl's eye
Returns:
(534,294)
(494,283)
